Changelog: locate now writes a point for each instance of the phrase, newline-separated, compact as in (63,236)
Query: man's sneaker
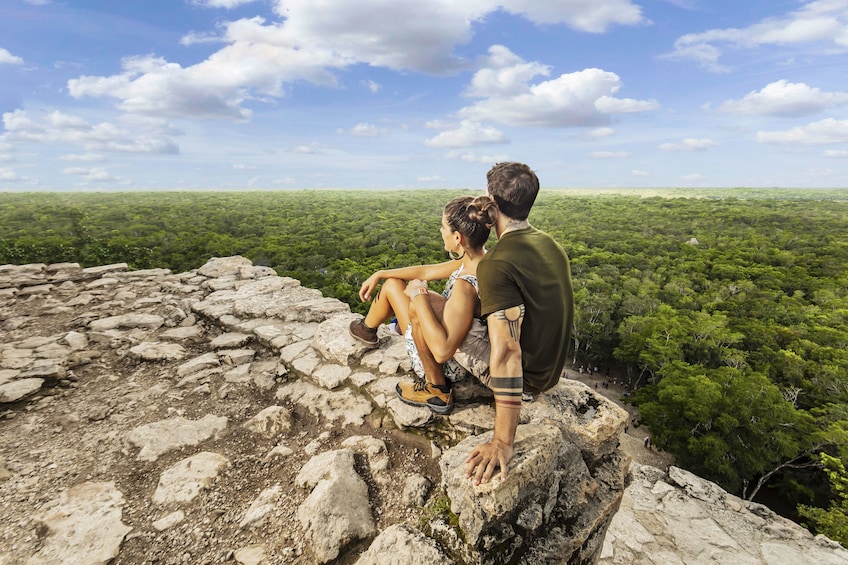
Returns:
(422,393)
(363,333)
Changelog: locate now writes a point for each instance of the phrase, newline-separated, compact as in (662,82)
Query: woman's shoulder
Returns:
(472,282)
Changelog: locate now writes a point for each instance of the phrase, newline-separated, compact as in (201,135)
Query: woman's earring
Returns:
(455,256)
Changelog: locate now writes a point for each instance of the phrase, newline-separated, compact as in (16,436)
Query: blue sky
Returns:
(285,94)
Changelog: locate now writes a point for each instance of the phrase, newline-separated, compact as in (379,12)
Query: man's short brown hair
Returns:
(513,187)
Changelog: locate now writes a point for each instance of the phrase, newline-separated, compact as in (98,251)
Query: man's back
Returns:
(528,267)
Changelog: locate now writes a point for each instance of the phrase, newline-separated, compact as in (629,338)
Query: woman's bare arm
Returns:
(433,272)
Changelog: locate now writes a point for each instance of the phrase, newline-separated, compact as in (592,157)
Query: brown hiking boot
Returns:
(363,333)
(422,393)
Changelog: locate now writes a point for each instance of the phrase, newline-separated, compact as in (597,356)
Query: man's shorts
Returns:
(472,355)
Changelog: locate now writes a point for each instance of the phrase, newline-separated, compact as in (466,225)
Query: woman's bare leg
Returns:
(434,371)
(390,300)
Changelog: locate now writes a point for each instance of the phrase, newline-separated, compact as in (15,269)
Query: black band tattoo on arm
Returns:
(513,316)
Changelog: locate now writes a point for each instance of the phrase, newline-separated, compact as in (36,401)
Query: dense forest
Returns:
(728,311)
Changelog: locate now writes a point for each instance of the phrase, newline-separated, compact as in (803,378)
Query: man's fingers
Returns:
(502,465)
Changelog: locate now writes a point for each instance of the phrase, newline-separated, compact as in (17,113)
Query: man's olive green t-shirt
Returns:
(528,267)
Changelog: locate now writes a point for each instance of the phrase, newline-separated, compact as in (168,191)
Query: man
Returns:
(526,295)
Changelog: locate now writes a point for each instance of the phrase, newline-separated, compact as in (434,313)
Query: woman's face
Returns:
(449,237)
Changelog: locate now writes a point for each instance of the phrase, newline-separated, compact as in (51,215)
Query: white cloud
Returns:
(820,21)
(471,157)
(308,148)
(638,173)
(433,179)
(600,133)
(503,73)
(610,105)
(84,157)
(608,154)
(38,2)
(783,98)
(229,4)
(312,41)
(468,133)
(365,130)
(371,85)
(836,153)
(576,99)
(694,177)
(8,58)
(8,175)
(689,144)
(817,133)
(96,174)
(243,167)
(584,15)
(57,127)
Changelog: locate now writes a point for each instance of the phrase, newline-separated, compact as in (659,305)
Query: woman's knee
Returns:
(393,285)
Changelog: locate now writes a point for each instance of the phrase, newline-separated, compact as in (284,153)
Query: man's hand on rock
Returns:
(485,459)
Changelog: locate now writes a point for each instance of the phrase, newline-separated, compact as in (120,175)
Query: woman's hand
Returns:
(413,288)
(369,285)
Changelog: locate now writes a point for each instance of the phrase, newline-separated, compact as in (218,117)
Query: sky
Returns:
(292,94)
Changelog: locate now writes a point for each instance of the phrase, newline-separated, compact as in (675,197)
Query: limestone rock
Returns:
(402,545)
(589,420)
(219,266)
(182,333)
(169,521)
(230,340)
(205,361)
(270,422)
(261,507)
(147,321)
(532,474)
(236,356)
(342,405)
(337,509)
(157,351)
(331,376)
(415,490)
(184,481)
(163,436)
(85,527)
(250,555)
(17,390)
(688,519)
(334,343)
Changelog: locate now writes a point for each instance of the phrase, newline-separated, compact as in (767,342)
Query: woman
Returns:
(448,324)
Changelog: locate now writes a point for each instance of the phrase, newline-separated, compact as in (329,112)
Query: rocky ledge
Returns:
(225,415)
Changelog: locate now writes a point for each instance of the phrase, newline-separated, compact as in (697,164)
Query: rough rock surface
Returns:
(674,517)
(215,416)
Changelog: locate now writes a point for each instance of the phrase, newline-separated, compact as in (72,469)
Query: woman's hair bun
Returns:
(483,211)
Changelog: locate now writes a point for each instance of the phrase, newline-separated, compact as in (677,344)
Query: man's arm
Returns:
(507,382)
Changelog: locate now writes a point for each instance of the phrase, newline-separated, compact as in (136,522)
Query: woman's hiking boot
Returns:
(363,333)
(422,393)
